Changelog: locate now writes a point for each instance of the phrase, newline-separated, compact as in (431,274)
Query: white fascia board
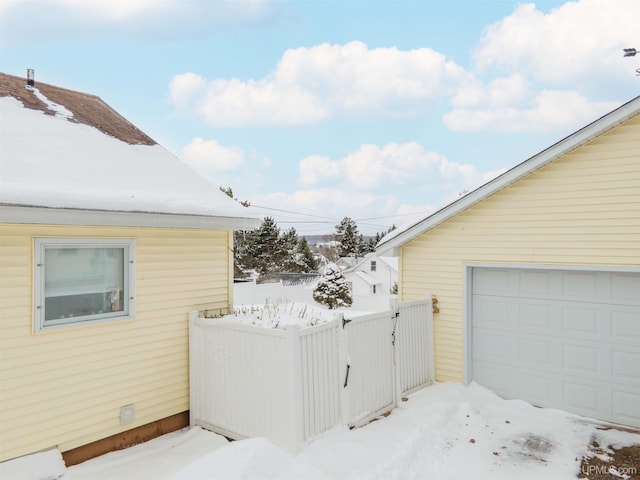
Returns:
(59,216)
(559,149)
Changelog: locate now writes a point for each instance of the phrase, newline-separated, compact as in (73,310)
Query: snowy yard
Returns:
(446,431)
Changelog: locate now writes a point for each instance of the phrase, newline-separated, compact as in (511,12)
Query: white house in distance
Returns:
(372,280)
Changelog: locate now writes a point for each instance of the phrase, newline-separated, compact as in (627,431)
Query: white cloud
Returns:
(372,166)
(208,157)
(57,20)
(367,185)
(316,168)
(498,92)
(573,41)
(408,214)
(549,110)
(116,9)
(186,89)
(323,81)
(323,207)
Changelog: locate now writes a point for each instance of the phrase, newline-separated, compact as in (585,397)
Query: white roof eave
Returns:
(60,216)
(395,242)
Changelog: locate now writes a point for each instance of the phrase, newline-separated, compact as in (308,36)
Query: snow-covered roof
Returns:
(366,277)
(391,242)
(55,168)
(391,262)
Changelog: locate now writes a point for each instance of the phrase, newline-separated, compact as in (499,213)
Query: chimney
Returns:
(30,78)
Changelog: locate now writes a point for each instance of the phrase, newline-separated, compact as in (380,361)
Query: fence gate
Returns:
(369,373)
(415,366)
(388,354)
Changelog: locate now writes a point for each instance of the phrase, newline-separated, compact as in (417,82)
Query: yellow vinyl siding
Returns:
(582,209)
(65,387)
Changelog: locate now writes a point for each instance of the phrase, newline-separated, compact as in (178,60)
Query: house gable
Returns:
(394,240)
(582,209)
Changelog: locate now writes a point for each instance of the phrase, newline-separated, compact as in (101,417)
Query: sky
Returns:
(316,110)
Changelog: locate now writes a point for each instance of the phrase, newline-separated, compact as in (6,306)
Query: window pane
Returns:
(83,281)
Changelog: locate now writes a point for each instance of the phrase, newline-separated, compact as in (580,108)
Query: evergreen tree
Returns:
(297,257)
(332,289)
(289,247)
(370,245)
(264,250)
(306,257)
(351,242)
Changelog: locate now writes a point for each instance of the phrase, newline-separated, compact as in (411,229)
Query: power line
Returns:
(294,213)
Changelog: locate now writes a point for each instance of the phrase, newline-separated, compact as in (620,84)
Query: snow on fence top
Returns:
(279,315)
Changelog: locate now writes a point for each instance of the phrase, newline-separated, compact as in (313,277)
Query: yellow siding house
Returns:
(537,275)
(107,242)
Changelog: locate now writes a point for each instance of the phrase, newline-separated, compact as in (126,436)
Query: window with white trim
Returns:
(373,266)
(81,281)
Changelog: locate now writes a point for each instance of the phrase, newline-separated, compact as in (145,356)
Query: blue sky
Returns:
(313,110)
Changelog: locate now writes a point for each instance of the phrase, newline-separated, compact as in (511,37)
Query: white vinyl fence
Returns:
(292,385)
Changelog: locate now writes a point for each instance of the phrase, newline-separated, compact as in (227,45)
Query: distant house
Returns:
(373,274)
(344,263)
(537,275)
(372,281)
(107,242)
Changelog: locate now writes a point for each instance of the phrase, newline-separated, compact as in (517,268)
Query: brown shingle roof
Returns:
(87,109)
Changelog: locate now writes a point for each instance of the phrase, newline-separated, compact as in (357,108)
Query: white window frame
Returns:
(42,243)
(373,266)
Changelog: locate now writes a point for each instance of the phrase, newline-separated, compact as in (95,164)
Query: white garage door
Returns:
(563,339)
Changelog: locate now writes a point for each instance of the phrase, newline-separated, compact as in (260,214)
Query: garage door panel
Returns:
(625,325)
(492,346)
(581,360)
(535,354)
(490,281)
(536,283)
(538,389)
(625,289)
(534,316)
(495,312)
(562,339)
(624,404)
(580,321)
(579,285)
(583,398)
(626,367)
(496,377)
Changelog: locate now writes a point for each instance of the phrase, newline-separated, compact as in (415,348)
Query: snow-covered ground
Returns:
(446,431)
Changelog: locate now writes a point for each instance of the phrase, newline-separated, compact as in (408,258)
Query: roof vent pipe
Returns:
(30,77)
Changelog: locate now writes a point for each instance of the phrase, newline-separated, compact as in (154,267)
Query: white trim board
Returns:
(55,216)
